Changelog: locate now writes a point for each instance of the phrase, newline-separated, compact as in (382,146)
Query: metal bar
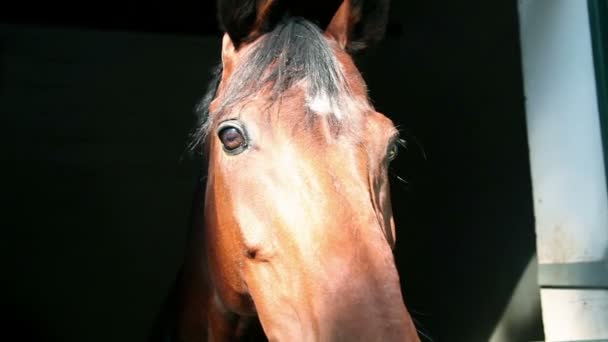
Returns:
(582,275)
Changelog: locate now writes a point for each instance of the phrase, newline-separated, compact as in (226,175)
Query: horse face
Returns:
(298,213)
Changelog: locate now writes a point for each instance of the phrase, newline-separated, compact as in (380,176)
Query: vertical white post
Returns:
(567,166)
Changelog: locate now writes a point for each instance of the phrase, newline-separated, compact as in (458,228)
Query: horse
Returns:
(292,232)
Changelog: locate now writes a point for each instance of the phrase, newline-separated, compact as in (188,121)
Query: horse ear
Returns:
(228,55)
(243,20)
(358,23)
(353,24)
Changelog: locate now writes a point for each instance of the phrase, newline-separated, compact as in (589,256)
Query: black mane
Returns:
(293,51)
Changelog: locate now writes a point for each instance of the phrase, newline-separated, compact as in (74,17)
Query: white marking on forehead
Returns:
(340,108)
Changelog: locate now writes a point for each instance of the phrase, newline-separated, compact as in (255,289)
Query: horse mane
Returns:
(293,52)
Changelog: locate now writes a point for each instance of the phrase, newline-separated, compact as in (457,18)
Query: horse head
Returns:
(298,222)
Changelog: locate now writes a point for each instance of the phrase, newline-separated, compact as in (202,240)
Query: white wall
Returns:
(566,159)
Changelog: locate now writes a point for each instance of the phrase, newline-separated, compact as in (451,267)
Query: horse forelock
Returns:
(294,54)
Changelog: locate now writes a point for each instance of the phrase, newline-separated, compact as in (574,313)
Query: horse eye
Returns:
(232,137)
(392,151)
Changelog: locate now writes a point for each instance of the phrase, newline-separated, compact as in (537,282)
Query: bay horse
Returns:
(292,229)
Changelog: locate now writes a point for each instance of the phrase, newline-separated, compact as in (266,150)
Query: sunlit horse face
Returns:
(298,214)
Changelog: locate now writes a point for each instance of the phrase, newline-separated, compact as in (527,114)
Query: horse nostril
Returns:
(256,253)
(252,253)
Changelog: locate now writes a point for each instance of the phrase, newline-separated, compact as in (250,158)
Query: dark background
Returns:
(96,103)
